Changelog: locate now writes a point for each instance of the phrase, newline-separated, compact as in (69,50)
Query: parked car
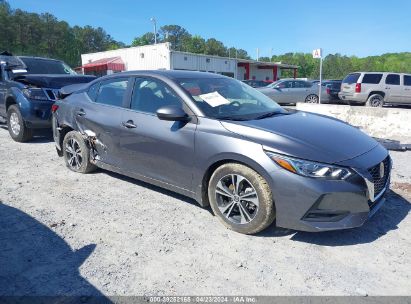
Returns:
(224,144)
(376,88)
(28,88)
(257,83)
(286,91)
(333,88)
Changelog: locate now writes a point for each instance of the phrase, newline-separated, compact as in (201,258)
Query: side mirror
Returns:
(172,113)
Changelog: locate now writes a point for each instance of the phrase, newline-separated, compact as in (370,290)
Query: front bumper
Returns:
(314,205)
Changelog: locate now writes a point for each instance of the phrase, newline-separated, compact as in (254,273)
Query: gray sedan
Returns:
(288,91)
(226,145)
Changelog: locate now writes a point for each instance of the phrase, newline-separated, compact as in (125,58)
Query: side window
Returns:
(393,79)
(285,85)
(93,90)
(112,92)
(372,78)
(407,80)
(151,94)
(299,84)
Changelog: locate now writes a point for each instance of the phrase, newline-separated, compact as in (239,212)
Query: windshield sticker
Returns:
(214,99)
(19,71)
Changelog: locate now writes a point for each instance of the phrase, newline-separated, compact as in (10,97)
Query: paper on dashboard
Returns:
(214,99)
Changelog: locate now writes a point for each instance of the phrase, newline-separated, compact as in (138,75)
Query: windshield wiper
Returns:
(232,118)
(270,114)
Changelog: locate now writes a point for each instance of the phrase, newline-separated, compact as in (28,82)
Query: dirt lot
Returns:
(66,233)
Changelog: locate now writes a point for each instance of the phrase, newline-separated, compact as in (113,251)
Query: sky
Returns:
(361,28)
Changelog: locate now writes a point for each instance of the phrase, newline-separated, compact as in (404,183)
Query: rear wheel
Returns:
(76,153)
(241,198)
(17,128)
(375,100)
(312,98)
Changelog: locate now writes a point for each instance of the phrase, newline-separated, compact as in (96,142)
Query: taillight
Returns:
(54,108)
(358,88)
(328,91)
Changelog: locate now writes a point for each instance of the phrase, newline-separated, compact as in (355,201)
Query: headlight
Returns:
(308,168)
(35,93)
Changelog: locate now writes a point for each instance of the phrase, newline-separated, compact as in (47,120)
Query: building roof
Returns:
(112,63)
(267,63)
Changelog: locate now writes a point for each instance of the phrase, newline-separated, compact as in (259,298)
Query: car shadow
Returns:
(36,262)
(40,136)
(395,209)
(140,183)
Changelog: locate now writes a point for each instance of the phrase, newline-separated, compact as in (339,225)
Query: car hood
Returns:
(306,135)
(53,81)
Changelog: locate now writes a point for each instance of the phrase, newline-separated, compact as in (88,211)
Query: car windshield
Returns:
(226,98)
(44,66)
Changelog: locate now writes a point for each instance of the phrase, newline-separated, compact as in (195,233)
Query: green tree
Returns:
(194,44)
(146,39)
(215,47)
(174,34)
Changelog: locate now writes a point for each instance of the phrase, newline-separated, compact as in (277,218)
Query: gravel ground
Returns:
(104,234)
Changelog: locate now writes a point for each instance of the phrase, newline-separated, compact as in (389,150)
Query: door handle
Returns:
(129,124)
(81,112)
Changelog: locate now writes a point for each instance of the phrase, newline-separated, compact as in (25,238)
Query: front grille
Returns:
(378,180)
(52,94)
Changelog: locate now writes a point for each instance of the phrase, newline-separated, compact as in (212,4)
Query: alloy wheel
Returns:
(73,151)
(376,101)
(236,199)
(311,99)
(15,123)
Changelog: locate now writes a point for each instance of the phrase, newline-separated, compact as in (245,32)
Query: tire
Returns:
(227,202)
(375,100)
(312,98)
(16,125)
(76,153)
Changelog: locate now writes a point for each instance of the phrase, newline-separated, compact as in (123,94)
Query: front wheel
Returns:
(312,98)
(15,123)
(76,153)
(241,198)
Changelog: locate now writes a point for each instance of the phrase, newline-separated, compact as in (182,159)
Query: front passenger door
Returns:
(154,148)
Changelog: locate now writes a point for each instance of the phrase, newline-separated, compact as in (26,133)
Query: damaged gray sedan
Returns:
(225,144)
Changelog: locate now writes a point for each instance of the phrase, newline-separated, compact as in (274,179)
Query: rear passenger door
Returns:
(298,92)
(100,117)
(406,89)
(394,90)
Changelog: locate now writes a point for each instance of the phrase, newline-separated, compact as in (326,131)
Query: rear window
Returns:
(393,79)
(351,78)
(372,78)
(407,80)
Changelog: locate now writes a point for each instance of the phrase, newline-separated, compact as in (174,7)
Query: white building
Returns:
(161,57)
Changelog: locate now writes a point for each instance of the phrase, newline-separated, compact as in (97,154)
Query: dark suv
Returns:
(28,88)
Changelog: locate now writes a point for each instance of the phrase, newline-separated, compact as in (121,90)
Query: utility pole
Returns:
(152,19)
(258,54)
(318,53)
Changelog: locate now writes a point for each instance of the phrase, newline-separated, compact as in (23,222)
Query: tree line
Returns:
(25,33)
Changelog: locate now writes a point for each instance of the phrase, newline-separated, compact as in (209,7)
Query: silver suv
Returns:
(376,88)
